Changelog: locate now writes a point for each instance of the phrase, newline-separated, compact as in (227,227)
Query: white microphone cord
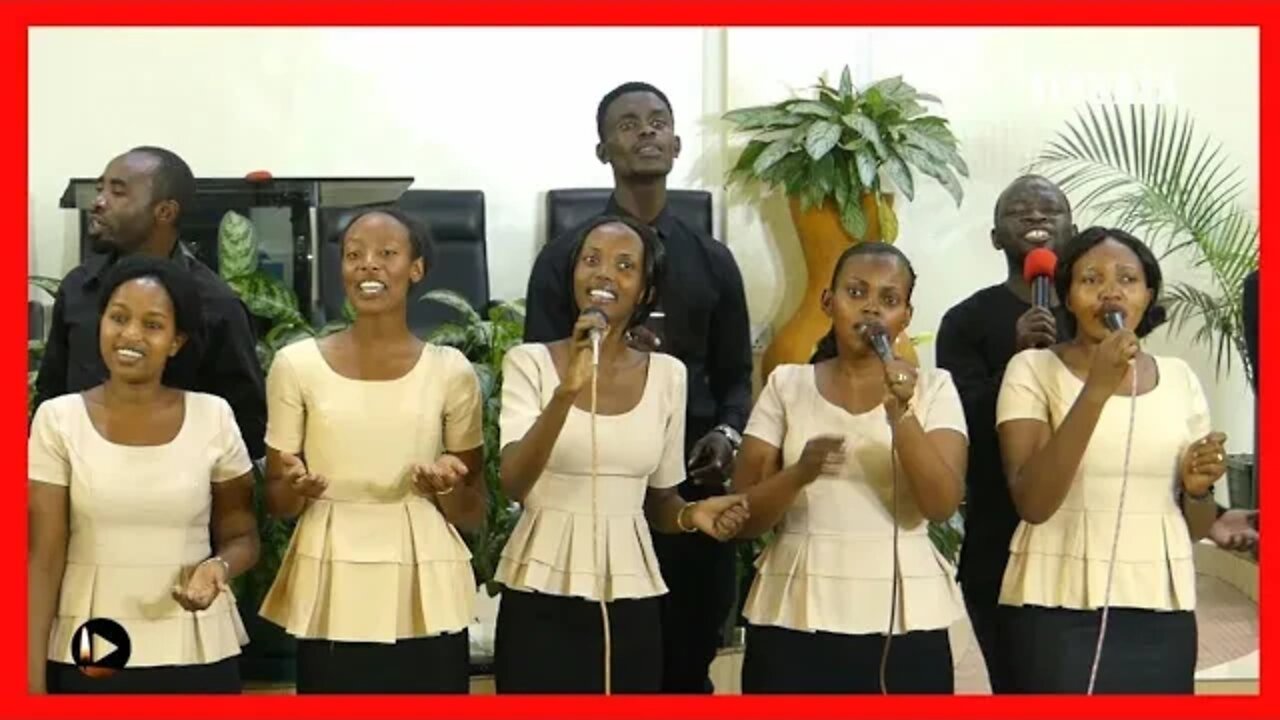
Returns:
(893,586)
(1115,541)
(601,568)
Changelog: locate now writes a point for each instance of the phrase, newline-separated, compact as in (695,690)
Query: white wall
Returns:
(511,112)
(1006,91)
(487,109)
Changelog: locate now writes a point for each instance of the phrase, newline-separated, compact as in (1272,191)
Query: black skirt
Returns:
(219,678)
(783,661)
(439,664)
(555,644)
(1145,651)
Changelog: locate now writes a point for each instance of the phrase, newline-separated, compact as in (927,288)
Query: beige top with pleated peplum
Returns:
(561,545)
(139,523)
(1062,562)
(371,560)
(829,566)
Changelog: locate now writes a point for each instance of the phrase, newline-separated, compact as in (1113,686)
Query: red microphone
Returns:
(1038,269)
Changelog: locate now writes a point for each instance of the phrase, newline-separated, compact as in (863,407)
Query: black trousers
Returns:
(782,661)
(555,644)
(980,580)
(431,665)
(219,678)
(700,576)
(1145,652)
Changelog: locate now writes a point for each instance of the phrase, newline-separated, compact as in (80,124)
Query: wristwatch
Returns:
(735,437)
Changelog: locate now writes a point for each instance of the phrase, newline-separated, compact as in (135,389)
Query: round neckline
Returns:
(1071,373)
(644,394)
(182,429)
(813,378)
(422,353)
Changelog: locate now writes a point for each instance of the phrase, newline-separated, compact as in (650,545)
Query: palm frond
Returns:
(1147,171)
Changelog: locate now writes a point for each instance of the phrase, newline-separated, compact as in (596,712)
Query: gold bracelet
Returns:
(446,492)
(680,519)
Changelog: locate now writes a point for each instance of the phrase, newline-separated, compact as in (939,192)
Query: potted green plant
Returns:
(838,156)
(1147,171)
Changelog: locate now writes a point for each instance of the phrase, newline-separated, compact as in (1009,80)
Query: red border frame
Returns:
(18,17)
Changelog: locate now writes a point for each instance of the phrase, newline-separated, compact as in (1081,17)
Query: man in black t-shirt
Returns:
(976,339)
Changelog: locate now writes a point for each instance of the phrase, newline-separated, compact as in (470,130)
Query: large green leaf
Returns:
(853,219)
(453,300)
(758,117)
(925,163)
(237,246)
(866,128)
(812,107)
(47,284)
(771,154)
(846,85)
(900,175)
(867,168)
(267,297)
(822,136)
(888,219)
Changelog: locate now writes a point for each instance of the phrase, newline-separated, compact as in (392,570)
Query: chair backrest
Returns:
(567,208)
(455,219)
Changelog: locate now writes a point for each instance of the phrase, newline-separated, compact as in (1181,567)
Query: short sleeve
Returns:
(286,413)
(233,457)
(944,411)
(521,394)
(48,460)
(769,418)
(1022,394)
(463,416)
(671,469)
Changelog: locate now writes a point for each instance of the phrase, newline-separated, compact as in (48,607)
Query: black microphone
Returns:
(878,338)
(1114,320)
(1038,269)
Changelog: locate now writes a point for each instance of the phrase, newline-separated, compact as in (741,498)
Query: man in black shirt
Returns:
(141,197)
(976,339)
(1238,529)
(706,327)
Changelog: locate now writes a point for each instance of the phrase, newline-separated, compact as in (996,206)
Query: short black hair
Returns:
(1085,241)
(995,211)
(827,345)
(172,180)
(183,293)
(625,88)
(655,262)
(421,244)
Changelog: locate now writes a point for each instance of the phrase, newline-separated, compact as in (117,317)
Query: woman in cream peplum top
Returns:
(375,437)
(581,540)
(128,482)
(1063,416)
(818,466)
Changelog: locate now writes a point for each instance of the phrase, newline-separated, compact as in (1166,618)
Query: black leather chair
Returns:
(569,207)
(456,221)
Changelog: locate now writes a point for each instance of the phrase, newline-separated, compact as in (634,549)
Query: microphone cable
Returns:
(1115,541)
(893,585)
(595,533)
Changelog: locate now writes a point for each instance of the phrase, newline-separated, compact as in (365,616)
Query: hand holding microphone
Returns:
(1037,327)
(584,353)
(1114,357)
(900,376)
